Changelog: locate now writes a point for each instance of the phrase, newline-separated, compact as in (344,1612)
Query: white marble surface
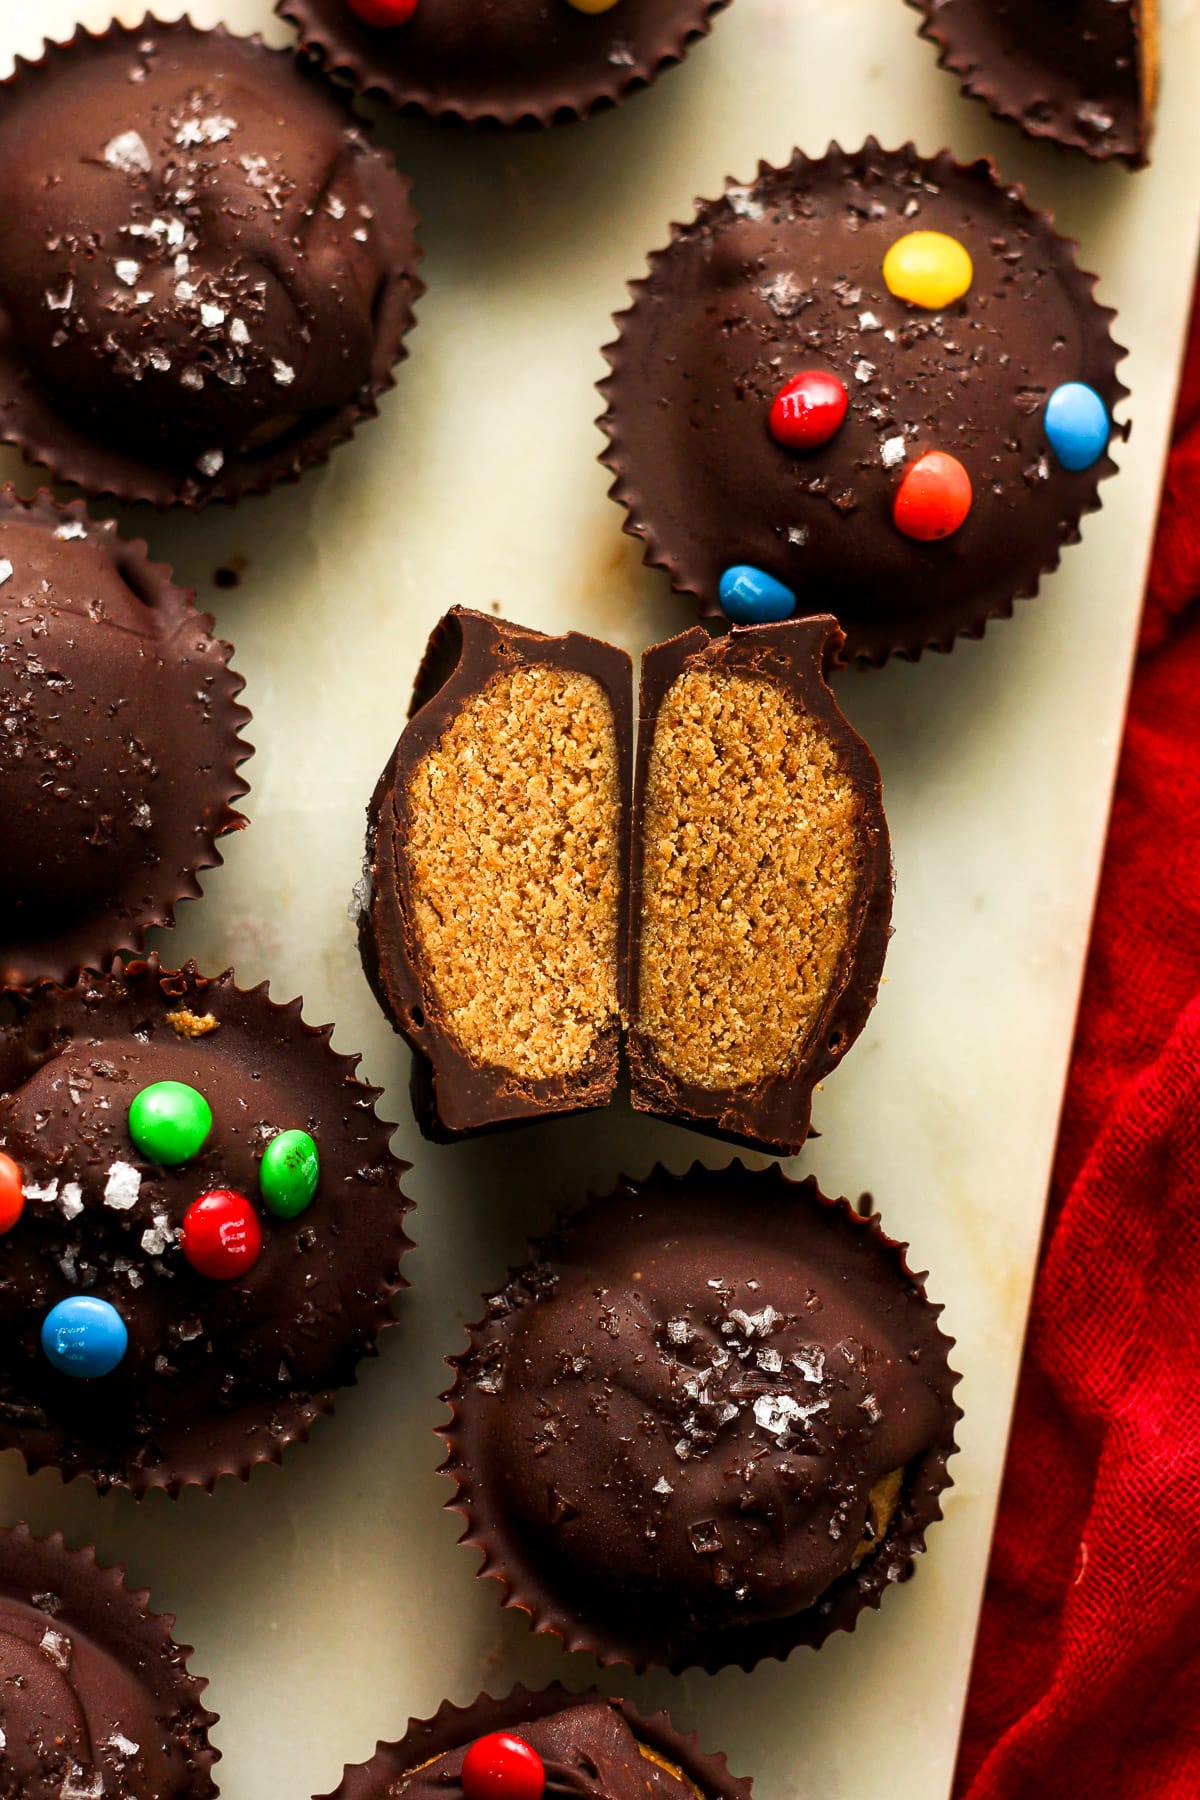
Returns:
(328,1601)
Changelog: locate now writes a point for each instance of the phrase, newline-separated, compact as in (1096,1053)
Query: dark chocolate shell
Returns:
(473,820)
(209,270)
(219,1374)
(123,742)
(527,62)
(95,1694)
(603,1730)
(708,1422)
(1083,76)
(785,273)
(758,934)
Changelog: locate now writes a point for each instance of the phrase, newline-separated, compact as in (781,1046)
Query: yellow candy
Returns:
(928,269)
(592,6)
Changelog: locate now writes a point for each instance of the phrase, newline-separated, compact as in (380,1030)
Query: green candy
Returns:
(288,1173)
(169,1122)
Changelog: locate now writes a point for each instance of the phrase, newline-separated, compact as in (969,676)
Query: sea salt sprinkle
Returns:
(128,153)
(122,1187)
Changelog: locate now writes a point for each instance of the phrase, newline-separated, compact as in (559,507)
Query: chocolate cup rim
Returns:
(337,58)
(775,1639)
(104,943)
(1080,283)
(707,1769)
(975,86)
(390,1282)
(87,463)
(104,1581)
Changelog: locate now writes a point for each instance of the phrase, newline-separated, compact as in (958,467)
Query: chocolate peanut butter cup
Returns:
(876,385)
(208,270)
(1084,76)
(201,1227)
(573,1742)
(95,1695)
(531,894)
(522,62)
(708,1422)
(121,745)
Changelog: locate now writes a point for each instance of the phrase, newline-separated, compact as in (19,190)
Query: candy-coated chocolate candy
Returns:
(1077,425)
(808,410)
(221,1235)
(288,1173)
(12,1193)
(927,269)
(84,1336)
(502,1766)
(752,597)
(384,13)
(934,497)
(169,1122)
(592,6)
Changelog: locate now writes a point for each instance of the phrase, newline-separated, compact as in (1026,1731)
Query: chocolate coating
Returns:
(668,1427)
(92,1685)
(208,270)
(515,62)
(589,1744)
(120,747)
(786,274)
(218,1375)
(454,1095)
(1082,74)
(774,1113)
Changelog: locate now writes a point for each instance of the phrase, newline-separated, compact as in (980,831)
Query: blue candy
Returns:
(1077,425)
(84,1337)
(751,597)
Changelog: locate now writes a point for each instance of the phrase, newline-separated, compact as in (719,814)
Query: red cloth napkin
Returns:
(1087,1673)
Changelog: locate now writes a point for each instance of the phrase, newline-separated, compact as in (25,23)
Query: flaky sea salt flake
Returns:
(128,153)
(122,1187)
(56,1648)
(743,203)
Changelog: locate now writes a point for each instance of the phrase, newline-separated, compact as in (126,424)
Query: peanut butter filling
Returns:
(750,874)
(513,850)
(881,1509)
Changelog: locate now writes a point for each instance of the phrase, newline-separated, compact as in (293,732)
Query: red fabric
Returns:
(1087,1674)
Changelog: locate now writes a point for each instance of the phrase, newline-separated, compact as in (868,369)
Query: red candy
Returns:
(934,498)
(384,13)
(502,1767)
(808,410)
(12,1193)
(221,1235)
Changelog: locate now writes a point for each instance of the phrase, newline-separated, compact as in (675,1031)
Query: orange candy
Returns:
(934,498)
(12,1193)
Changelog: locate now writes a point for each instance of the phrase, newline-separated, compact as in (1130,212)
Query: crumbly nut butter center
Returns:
(751,869)
(513,849)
